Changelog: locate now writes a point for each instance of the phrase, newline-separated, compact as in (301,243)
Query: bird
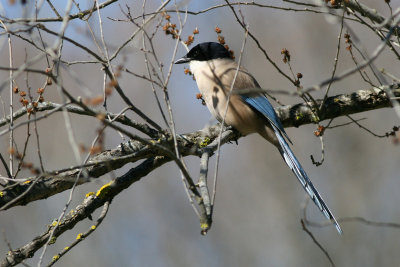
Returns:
(216,72)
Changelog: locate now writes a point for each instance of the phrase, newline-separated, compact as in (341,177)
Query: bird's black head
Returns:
(204,52)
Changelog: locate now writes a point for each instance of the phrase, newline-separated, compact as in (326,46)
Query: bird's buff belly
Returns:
(244,119)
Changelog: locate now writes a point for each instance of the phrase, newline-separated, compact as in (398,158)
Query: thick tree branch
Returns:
(189,144)
(72,108)
(335,106)
(84,210)
(58,181)
(370,13)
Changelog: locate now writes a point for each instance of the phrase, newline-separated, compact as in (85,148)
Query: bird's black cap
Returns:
(204,52)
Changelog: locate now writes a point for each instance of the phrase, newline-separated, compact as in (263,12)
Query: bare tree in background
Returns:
(46,43)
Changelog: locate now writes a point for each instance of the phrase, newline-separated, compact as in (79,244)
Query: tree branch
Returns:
(370,13)
(84,210)
(80,15)
(335,106)
(189,144)
(58,181)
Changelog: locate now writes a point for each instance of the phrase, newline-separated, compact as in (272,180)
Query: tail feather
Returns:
(301,175)
(261,104)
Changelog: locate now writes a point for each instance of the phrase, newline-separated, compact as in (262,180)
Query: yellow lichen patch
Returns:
(204,226)
(54,223)
(66,248)
(102,192)
(299,116)
(93,227)
(89,194)
(79,236)
(56,257)
(315,118)
(27,182)
(1,194)
(205,142)
(154,142)
(52,240)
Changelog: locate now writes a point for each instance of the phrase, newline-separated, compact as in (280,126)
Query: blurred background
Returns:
(259,201)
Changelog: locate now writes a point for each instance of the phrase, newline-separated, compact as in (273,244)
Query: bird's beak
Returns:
(182,60)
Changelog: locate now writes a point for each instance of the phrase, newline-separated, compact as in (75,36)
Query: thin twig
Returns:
(11,78)
(56,54)
(82,236)
(317,243)
(147,64)
(336,62)
(172,121)
(5,166)
(365,128)
(319,163)
(78,15)
(358,219)
(259,45)
(205,195)
(252,3)
(138,30)
(223,119)
(31,186)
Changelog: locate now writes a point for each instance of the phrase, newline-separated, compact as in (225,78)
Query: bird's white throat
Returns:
(196,65)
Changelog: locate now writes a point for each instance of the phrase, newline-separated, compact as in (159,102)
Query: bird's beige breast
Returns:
(214,80)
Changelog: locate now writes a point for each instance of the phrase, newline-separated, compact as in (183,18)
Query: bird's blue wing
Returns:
(262,105)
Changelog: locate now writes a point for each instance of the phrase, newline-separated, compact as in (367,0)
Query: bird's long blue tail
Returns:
(301,175)
(261,104)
